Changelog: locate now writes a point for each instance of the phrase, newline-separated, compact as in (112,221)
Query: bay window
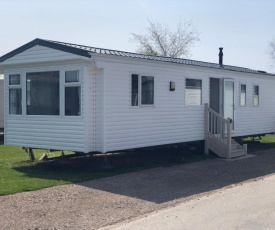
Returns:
(47,93)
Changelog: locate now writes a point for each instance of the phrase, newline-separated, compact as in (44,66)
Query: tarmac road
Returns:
(249,206)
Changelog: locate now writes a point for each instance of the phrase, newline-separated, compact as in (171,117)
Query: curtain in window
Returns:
(15,101)
(256,95)
(243,94)
(72,101)
(43,93)
(193,92)
(134,90)
(147,90)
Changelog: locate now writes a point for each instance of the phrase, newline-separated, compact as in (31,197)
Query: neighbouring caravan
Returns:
(72,97)
(1,102)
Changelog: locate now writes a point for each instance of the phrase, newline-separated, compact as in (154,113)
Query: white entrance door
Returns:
(228,99)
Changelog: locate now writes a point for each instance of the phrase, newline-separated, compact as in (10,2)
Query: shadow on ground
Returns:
(161,184)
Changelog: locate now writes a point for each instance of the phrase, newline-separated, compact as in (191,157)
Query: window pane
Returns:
(15,101)
(193,92)
(14,79)
(72,101)
(43,93)
(71,76)
(256,95)
(243,95)
(147,90)
(256,90)
(134,90)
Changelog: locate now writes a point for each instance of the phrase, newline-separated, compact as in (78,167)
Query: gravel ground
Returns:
(98,203)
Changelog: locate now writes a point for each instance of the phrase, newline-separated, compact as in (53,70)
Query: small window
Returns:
(134,90)
(15,94)
(71,76)
(256,96)
(193,92)
(72,93)
(14,79)
(243,95)
(142,88)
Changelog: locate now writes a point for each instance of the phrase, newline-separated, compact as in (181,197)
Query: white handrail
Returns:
(219,128)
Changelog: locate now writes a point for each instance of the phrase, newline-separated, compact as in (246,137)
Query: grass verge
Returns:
(18,174)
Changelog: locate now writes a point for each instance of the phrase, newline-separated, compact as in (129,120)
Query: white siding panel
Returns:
(168,121)
(63,134)
(98,110)
(95,110)
(40,54)
(260,119)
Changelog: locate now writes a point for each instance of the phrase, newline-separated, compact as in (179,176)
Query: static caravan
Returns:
(1,103)
(71,97)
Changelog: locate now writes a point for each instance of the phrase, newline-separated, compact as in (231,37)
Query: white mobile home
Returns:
(71,97)
(1,102)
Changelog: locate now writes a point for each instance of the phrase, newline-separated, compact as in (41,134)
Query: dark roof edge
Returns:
(48,44)
(208,67)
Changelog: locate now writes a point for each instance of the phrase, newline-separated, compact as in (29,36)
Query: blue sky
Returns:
(242,27)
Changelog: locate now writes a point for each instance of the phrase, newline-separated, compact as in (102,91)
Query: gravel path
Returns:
(102,202)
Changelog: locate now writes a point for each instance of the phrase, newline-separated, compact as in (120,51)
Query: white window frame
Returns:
(241,94)
(72,84)
(15,87)
(140,90)
(254,95)
(185,90)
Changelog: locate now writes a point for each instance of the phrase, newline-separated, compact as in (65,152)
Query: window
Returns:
(193,92)
(142,90)
(256,95)
(147,90)
(71,76)
(72,93)
(134,90)
(243,95)
(15,94)
(42,93)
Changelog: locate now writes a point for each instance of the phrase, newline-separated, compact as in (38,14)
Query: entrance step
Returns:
(237,152)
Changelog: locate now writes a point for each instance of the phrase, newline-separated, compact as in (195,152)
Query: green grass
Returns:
(267,142)
(18,174)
